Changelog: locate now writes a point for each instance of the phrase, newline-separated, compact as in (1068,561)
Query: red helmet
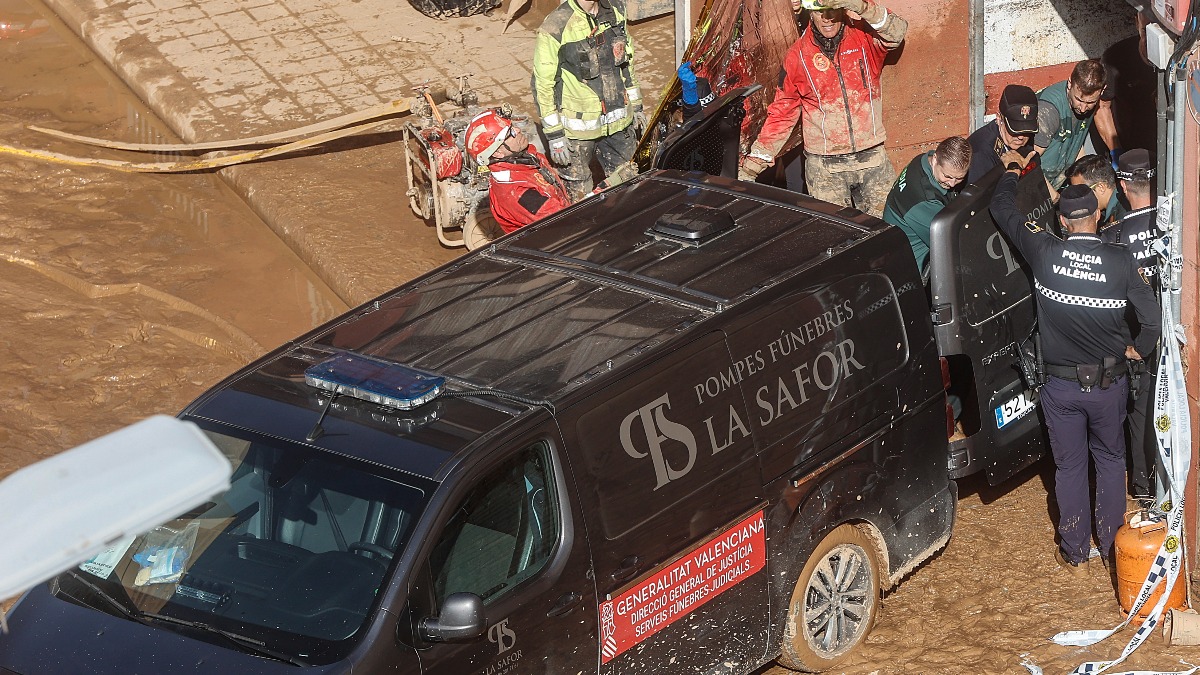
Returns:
(486,133)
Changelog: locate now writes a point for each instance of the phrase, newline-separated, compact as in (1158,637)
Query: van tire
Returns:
(846,567)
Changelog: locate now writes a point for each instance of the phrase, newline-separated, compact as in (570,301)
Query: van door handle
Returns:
(565,604)
(629,567)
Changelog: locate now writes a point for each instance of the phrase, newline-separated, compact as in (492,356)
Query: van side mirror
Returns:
(461,618)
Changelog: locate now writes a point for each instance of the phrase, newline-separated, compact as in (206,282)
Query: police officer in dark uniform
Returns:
(1016,123)
(1138,230)
(1083,288)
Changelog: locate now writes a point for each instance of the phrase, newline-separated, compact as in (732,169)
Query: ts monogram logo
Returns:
(501,636)
(657,429)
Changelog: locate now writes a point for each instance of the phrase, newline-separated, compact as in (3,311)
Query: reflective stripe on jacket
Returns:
(1084,288)
(583,78)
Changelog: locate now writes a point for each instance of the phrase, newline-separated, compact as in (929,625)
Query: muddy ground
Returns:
(124,295)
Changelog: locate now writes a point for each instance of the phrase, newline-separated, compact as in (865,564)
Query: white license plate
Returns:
(1014,409)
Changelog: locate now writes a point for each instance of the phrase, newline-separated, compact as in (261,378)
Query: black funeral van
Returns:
(689,425)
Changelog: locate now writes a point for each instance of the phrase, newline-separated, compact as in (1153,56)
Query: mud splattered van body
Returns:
(689,425)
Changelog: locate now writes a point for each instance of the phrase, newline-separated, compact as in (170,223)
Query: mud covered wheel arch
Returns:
(480,227)
(834,602)
(444,9)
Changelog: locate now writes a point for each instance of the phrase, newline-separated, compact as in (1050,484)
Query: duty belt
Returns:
(1071,372)
(1090,375)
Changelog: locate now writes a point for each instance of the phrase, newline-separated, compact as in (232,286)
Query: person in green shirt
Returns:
(1066,111)
(929,182)
(1097,173)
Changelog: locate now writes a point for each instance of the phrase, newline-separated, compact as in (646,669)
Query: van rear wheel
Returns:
(834,603)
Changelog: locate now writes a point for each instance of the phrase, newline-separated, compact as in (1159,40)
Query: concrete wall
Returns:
(1037,43)
(1024,34)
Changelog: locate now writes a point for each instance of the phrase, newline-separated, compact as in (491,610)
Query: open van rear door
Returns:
(981,297)
(709,142)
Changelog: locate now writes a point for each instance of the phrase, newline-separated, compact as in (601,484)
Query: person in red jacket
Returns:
(830,84)
(523,187)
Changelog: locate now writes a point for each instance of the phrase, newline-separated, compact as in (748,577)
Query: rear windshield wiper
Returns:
(242,642)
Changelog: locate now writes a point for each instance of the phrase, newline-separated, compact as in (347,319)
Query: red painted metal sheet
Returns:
(926,87)
(1034,78)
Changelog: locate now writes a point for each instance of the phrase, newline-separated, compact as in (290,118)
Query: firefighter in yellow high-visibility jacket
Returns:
(585,90)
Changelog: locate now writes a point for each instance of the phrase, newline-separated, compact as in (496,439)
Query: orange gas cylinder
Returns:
(1137,543)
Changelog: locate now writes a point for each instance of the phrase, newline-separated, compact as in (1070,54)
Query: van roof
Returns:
(560,303)
(551,307)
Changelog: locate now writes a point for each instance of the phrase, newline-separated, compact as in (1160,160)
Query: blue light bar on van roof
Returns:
(374,380)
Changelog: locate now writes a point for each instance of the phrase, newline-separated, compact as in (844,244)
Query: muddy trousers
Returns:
(860,179)
(612,151)
(1084,424)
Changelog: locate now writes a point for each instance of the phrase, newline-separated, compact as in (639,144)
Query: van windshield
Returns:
(292,557)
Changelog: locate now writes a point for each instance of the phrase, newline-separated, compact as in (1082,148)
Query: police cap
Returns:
(1019,108)
(1135,165)
(1076,201)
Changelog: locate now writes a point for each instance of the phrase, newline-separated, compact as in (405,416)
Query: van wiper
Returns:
(127,611)
(246,644)
(133,614)
(242,642)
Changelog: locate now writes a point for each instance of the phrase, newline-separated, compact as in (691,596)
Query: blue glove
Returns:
(687,78)
(1115,154)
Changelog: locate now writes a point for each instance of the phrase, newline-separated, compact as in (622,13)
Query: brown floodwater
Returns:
(124,295)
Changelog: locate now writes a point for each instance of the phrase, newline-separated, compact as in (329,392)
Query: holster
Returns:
(1029,360)
(1109,374)
(1136,370)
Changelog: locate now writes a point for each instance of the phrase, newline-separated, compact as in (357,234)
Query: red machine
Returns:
(445,185)
(1172,14)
